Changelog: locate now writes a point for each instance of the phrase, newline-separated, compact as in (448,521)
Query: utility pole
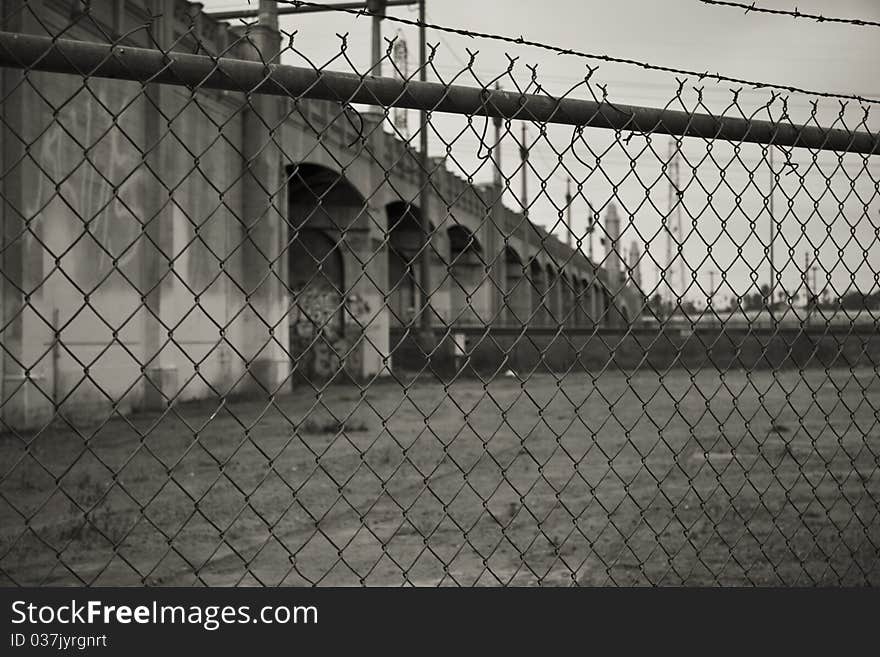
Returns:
(808,307)
(500,293)
(772,228)
(267,14)
(306,9)
(569,237)
(497,122)
(426,338)
(594,219)
(711,289)
(524,159)
(806,276)
(674,231)
(377,10)
(400,57)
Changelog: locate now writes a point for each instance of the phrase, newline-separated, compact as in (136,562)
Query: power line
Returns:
(522,41)
(549,157)
(450,48)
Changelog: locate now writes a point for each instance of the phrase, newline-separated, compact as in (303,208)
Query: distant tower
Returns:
(592,220)
(400,57)
(569,234)
(635,263)
(613,264)
(674,233)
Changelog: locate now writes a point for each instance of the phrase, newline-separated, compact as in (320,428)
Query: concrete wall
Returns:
(148,232)
(493,350)
(126,214)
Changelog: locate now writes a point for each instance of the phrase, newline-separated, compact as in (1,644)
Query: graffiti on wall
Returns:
(202,201)
(321,344)
(88,183)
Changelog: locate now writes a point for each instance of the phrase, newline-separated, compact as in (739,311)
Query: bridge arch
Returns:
(405,240)
(568,297)
(538,281)
(603,304)
(324,212)
(585,296)
(553,312)
(516,287)
(468,282)
(319,197)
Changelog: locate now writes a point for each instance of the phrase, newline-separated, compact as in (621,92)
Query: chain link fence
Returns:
(253,332)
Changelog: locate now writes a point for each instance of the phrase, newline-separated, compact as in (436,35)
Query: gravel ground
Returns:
(749,478)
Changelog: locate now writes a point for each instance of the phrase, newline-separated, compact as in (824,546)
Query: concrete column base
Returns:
(427,340)
(266,374)
(26,402)
(161,385)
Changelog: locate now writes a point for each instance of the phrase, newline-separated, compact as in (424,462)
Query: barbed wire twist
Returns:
(750,8)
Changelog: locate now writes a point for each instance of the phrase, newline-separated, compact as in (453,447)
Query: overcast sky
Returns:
(683,34)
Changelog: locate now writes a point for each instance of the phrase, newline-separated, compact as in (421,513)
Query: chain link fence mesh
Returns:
(252,333)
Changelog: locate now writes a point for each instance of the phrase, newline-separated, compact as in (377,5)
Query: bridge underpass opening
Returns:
(538,280)
(584,296)
(517,307)
(326,218)
(578,290)
(405,241)
(568,310)
(468,280)
(553,312)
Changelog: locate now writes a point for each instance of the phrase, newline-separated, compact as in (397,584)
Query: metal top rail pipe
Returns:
(283,11)
(39,53)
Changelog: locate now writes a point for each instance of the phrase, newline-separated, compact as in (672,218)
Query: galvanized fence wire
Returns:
(253,333)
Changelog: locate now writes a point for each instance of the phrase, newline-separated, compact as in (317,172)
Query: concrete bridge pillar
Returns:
(493,241)
(441,284)
(263,206)
(468,289)
(517,292)
(600,315)
(583,302)
(577,310)
(483,295)
(537,279)
(553,299)
(161,377)
(372,286)
(568,306)
(366,317)
(27,384)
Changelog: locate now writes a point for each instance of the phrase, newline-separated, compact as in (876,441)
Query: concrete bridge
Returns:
(164,244)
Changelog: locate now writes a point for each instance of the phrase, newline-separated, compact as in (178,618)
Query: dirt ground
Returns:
(745,478)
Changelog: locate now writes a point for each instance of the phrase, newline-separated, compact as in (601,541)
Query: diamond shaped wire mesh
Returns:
(252,333)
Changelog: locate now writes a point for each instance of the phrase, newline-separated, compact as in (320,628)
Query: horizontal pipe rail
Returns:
(282,11)
(40,53)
